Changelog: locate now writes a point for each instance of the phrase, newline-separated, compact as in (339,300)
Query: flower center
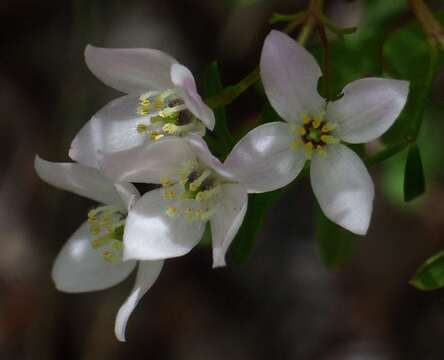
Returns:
(168,115)
(314,134)
(106,225)
(193,192)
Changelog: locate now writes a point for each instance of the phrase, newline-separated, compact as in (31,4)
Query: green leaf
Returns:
(430,275)
(258,204)
(358,55)
(335,244)
(223,140)
(414,183)
(408,55)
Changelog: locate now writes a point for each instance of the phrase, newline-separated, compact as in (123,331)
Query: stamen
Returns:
(198,182)
(169,194)
(207,194)
(142,128)
(171,211)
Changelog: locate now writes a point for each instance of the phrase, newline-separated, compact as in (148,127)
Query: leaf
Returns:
(408,55)
(335,244)
(212,87)
(414,183)
(430,275)
(258,205)
(358,55)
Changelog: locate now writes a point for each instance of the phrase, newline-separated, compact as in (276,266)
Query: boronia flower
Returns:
(162,100)
(92,257)
(195,188)
(316,130)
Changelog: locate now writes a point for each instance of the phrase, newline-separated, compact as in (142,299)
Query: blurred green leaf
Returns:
(430,275)
(335,243)
(358,55)
(408,55)
(258,204)
(414,183)
(223,141)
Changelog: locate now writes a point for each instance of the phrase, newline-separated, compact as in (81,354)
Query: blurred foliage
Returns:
(335,244)
(414,183)
(430,275)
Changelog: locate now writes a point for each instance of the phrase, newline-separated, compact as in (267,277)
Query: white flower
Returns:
(314,130)
(92,257)
(162,100)
(195,188)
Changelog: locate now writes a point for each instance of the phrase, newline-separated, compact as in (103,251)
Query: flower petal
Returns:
(111,129)
(79,179)
(368,108)
(150,234)
(205,157)
(183,79)
(290,76)
(132,71)
(147,274)
(343,187)
(264,160)
(80,268)
(150,162)
(128,194)
(227,219)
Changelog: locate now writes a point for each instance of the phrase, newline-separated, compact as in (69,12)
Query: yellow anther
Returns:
(170,128)
(109,256)
(316,123)
(154,135)
(320,150)
(296,143)
(171,211)
(305,118)
(327,127)
(96,243)
(328,139)
(189,213)
(302,131)
(203,214)
(95,229)
(165,181)
(141,128)
(158,104)
(308,148)
(142,111)
(169,194)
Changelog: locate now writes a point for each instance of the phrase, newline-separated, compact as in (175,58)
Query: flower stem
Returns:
(430,25)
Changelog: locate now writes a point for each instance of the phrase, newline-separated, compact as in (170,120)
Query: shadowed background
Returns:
(283,302)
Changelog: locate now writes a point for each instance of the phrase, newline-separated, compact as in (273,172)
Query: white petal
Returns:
(132,71)
(343,187)
(227,219)
(150,162)
(264,160)
(183,79)
(205,157)
(150,234)
(368,108)
(111,129)
(128,193)
(290,75)
(79,179)
(80,268)
(147,274)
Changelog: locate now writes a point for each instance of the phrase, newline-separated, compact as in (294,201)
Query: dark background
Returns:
(281,304)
